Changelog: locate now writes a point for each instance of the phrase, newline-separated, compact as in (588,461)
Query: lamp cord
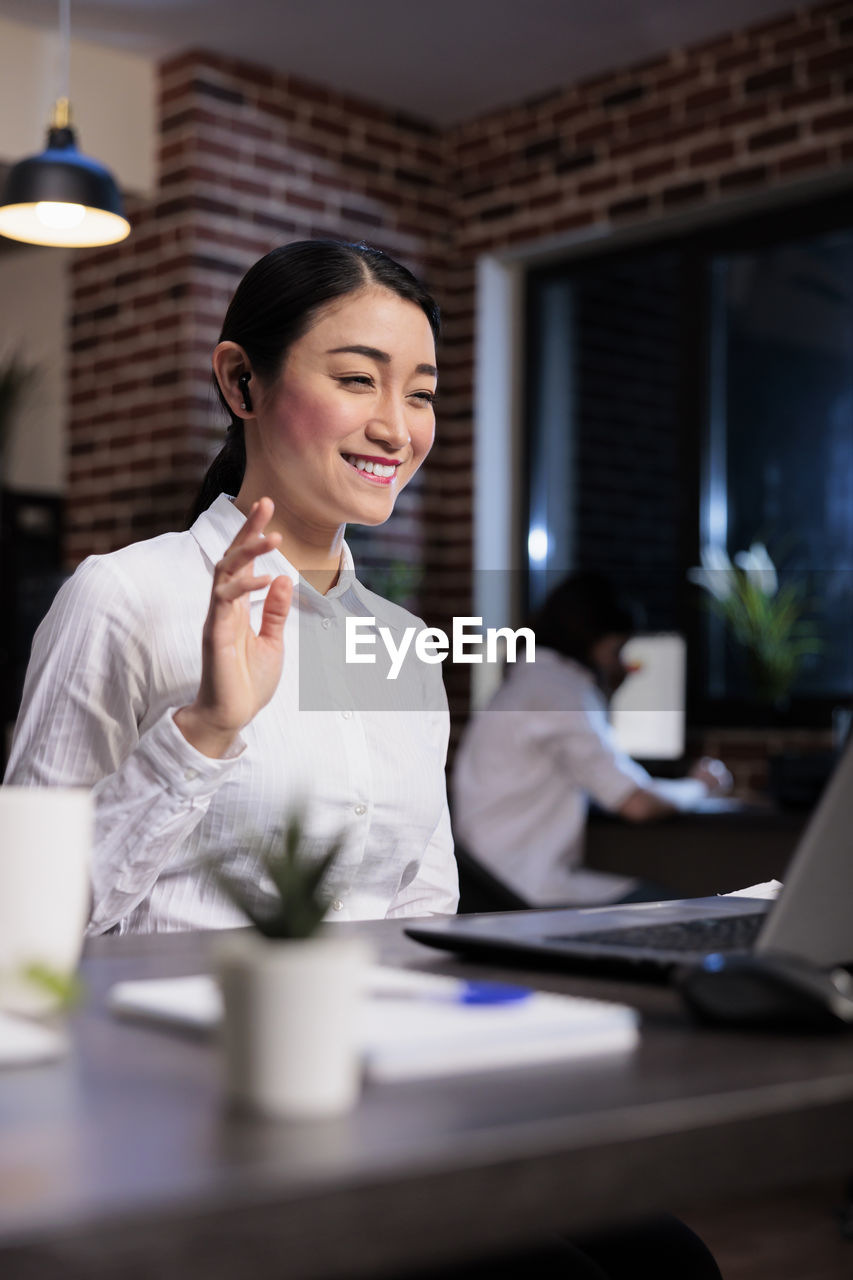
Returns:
(64,48)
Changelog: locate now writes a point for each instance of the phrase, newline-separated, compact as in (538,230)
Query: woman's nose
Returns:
(388,424)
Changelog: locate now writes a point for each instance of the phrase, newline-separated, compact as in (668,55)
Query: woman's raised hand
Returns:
(240,670)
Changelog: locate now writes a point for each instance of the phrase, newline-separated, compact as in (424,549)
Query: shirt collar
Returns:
(217,527)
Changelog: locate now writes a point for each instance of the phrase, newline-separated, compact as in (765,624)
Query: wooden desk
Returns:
(121,1161)
(697,854)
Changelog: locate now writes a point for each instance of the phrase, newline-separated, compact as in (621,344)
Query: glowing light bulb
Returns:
(537,544)
(59,216)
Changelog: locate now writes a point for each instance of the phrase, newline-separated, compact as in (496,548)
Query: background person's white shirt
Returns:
(525,771)
(120,651)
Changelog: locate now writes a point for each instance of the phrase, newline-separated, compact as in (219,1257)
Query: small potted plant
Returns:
(291,992)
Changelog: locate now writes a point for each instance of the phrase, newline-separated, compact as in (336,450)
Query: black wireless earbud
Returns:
(243,384)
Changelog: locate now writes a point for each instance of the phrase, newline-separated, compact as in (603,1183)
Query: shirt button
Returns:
(326,623)
(347,715)
(337,905)
(190,774)
(361,809)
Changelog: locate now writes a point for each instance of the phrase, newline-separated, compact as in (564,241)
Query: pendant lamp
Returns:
(62,197)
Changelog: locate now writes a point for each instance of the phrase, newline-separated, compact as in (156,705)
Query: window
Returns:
(696,390)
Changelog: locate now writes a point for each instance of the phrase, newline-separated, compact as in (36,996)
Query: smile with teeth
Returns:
(377,472)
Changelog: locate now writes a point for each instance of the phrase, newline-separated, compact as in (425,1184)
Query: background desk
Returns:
(121,1161)
(697,854)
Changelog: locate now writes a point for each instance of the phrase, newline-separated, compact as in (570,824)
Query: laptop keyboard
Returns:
(715,933)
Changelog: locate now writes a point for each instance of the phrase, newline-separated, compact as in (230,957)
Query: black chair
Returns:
(480,890)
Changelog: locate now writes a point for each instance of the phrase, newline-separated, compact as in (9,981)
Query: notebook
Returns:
(419,1025)
(812,918)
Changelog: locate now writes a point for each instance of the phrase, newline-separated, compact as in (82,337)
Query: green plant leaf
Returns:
(297,872)
(66,989)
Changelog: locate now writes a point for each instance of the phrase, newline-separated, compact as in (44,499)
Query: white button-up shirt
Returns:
(524,772)
(120,651)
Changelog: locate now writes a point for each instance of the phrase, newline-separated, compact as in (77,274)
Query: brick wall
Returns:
(250,159)
(766,108)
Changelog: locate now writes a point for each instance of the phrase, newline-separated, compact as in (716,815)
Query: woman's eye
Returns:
(356,379)
(428,397)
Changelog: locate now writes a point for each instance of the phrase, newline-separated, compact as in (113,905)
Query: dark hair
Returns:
(274,305)
(581,610)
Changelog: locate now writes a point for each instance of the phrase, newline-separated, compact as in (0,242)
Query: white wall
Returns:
(113,102)
(34,305)
(114,106)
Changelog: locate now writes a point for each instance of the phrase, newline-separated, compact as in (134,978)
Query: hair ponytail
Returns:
(274,305)
(225,473)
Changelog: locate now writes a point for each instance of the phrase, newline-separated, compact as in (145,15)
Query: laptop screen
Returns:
(648,711)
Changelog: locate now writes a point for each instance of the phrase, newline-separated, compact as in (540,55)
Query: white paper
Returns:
(768,889)
(414,1027)
(23,1042)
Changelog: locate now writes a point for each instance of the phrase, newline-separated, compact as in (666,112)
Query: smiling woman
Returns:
(172,676)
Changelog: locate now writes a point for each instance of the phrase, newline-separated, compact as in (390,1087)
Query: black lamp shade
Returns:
(62,176)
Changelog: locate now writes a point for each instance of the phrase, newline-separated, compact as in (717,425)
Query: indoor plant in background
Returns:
(291,990)
(764,618)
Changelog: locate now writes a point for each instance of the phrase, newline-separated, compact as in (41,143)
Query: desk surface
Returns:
(122,1160)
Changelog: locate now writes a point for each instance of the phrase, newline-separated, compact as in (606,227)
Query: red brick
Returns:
(593,186)
(835,60)
(684,193)
(743,115)
(649,117)
(593,132)
(833,120)
(801,160)
(773,137)
(806,97)
(741,58)
(713,96)
(652,170)
(714,153)
(747,177)
(674,80)
(572,221)
(630,208)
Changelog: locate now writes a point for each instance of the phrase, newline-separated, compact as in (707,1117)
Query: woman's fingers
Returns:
(260,514)
(236,557)
(233,588)
(276,608)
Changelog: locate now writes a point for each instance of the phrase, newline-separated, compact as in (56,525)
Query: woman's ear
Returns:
(230,368)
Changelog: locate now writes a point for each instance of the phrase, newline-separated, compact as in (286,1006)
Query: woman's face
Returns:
(350,417)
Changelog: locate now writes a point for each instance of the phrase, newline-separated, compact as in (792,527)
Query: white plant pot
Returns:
(45,859)
(290,1031)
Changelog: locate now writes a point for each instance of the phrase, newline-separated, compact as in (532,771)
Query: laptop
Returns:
(812,918)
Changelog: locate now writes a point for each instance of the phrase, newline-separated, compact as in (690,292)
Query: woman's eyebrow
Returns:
(373,353)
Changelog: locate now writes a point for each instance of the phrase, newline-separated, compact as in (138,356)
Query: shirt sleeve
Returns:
(85,696)
(584,743)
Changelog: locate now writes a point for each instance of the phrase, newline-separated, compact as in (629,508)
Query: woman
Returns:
(530,761)
(196,681)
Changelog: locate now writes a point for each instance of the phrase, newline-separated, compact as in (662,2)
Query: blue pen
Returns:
(490,993)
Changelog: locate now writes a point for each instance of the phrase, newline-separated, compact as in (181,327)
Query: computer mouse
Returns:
(767,989)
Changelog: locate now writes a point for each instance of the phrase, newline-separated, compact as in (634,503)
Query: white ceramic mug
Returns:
(45,858)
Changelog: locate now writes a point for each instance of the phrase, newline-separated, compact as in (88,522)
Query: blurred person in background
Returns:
(532,760)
